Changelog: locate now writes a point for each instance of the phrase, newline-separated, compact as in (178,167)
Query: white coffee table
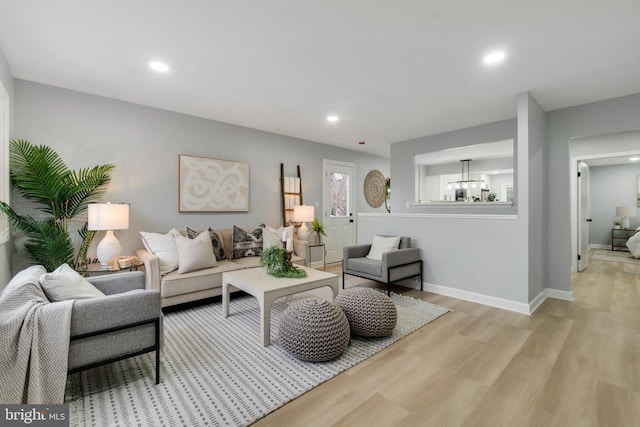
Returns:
(267,289)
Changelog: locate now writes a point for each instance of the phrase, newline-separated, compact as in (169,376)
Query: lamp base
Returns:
(108,248)
(303,232)
(625,222)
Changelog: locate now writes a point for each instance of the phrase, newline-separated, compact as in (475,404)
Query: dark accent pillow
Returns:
(246,244)
(218,247)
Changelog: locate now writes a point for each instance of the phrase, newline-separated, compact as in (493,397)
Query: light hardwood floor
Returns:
(569,364)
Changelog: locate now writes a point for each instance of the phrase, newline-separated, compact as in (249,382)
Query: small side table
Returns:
(324,254)
(99,269)
(619,237)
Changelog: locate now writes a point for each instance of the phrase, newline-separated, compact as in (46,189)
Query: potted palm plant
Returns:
(39,174)
(317,228)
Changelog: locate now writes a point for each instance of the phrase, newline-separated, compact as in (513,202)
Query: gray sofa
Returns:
(178,288)
(397,264)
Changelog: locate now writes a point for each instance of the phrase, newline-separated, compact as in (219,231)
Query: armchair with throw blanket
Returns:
(56,323)
(387,259)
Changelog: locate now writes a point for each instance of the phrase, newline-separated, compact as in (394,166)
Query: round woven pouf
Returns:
(370,313)
(313,330)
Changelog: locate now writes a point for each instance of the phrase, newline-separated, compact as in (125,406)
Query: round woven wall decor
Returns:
(375,188)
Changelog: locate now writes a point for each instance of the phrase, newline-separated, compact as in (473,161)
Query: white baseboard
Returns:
(598,246)
(497,302)
(317,264)
(558,294)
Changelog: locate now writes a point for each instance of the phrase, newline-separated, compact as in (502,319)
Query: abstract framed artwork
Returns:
(212,185)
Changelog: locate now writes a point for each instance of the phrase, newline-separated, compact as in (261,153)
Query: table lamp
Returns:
(303,214)
(625,212)
(108,217)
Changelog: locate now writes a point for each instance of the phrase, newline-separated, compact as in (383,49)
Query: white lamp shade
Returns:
(626,211)
(303,213)
(107,216)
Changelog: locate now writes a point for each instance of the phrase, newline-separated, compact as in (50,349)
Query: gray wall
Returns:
(598,118)
(7,81)
(144,144)
(610,186)
(535,118)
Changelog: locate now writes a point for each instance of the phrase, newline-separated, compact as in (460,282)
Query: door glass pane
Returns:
(339,194)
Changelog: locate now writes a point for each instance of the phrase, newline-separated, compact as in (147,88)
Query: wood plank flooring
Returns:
(569,364)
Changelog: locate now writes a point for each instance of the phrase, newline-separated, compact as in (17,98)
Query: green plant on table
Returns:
(492,197)
(39,174)
(274,261)
(318,227)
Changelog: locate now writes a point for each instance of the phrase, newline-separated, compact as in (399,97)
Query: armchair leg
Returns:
(343,280)
(157,325)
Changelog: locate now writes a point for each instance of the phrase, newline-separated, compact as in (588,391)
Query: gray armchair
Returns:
(125,323)
(397,264)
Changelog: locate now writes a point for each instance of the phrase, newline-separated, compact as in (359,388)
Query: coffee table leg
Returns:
(265,314)
(225,299)
(335,289)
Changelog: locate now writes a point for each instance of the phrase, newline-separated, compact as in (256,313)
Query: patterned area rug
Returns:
(214,370)
(615,256)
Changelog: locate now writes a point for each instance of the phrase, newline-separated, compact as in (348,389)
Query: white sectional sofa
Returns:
(178,287)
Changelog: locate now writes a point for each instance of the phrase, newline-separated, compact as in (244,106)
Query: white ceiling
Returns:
(391,70)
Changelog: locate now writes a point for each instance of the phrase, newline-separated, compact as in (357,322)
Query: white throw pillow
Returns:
(195,254)
(271,236)
(65,283)
(164,247)
(382,244)
(634,244)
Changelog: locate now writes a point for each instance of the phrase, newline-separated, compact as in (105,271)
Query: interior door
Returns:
(338,207)
(584,221)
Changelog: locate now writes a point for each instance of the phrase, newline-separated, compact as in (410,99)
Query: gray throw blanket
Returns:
(35,337)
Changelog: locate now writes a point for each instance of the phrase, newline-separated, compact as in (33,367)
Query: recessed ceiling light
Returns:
(634,159)
(496,172)
(332,119)
(494,57)
(159,66)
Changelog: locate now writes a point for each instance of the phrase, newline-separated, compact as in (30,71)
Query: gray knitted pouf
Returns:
(313,330)
(370,313)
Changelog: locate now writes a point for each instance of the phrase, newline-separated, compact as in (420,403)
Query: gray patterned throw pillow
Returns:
(246,244)
(218,247)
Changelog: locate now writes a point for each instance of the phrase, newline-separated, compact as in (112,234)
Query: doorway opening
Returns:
(610,149)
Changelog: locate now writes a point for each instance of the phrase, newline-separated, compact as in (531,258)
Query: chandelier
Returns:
(466,183)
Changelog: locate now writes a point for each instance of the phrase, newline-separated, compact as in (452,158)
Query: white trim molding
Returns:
(4,159)
(434,215)
(497,302)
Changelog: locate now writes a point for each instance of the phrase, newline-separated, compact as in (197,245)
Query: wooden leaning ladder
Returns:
(291,194)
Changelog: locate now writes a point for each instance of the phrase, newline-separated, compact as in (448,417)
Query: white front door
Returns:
(338,207)
(584,221)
